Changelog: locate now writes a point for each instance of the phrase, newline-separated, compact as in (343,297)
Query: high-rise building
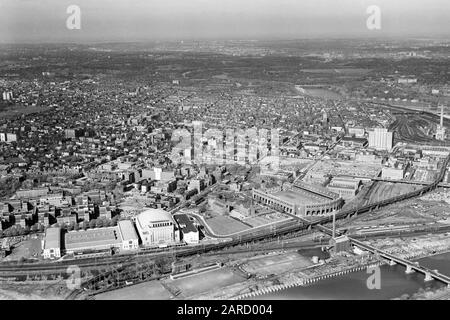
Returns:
(440,131)
(381,139)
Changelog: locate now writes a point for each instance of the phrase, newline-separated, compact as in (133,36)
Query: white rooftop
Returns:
(150,216)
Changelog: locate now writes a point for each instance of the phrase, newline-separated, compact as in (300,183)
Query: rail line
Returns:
(278,231)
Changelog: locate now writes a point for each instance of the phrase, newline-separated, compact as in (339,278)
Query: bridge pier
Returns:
(409,269)
(392,263)
(428,277)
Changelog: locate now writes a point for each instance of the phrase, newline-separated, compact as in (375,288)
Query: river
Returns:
(353,286)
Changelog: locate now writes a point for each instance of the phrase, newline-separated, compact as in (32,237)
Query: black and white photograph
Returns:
(217,156)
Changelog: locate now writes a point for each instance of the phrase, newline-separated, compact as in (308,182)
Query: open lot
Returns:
(276,264)
(28,249)
(384,190)
(223,225)
(264,219)
(152,290)
(33,291)
(351,168)
(206,281)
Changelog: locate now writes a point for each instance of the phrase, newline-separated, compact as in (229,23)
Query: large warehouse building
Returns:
(156,227)
(122,237)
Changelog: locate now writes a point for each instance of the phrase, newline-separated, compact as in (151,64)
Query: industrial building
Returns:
(341,243)
(99,239)
(354,142)
(394,172)
(381,139)
(52,243)
(156,227)
(122,237)
(347,188)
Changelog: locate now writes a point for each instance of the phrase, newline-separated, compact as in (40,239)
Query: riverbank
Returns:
(305,281)
(261,282)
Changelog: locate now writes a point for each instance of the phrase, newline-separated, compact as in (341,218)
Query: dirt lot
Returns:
(29,249)
(34,291)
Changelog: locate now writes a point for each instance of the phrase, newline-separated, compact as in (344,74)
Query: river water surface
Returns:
(353,286)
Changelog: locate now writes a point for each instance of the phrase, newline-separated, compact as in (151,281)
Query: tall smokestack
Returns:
(442,116)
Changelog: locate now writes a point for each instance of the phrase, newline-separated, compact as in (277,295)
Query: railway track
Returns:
(252,237)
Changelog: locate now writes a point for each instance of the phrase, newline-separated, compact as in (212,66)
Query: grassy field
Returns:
(152,290)
(222,225)
(206,281)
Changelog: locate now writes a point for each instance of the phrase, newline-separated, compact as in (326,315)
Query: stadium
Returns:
(301,199)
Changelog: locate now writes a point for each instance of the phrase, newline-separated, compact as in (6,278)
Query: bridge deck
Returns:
(412,265)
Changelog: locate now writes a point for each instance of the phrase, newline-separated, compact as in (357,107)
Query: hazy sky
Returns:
(129,20)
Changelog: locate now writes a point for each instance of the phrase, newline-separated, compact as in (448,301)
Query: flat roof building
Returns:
(189,231)
(130,239)
(93,240)
(52,243)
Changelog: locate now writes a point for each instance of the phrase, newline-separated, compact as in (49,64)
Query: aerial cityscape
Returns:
(225,166)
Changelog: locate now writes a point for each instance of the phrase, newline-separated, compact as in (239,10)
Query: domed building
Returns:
(156,227)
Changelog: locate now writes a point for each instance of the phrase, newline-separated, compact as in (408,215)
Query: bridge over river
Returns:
(410,265)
